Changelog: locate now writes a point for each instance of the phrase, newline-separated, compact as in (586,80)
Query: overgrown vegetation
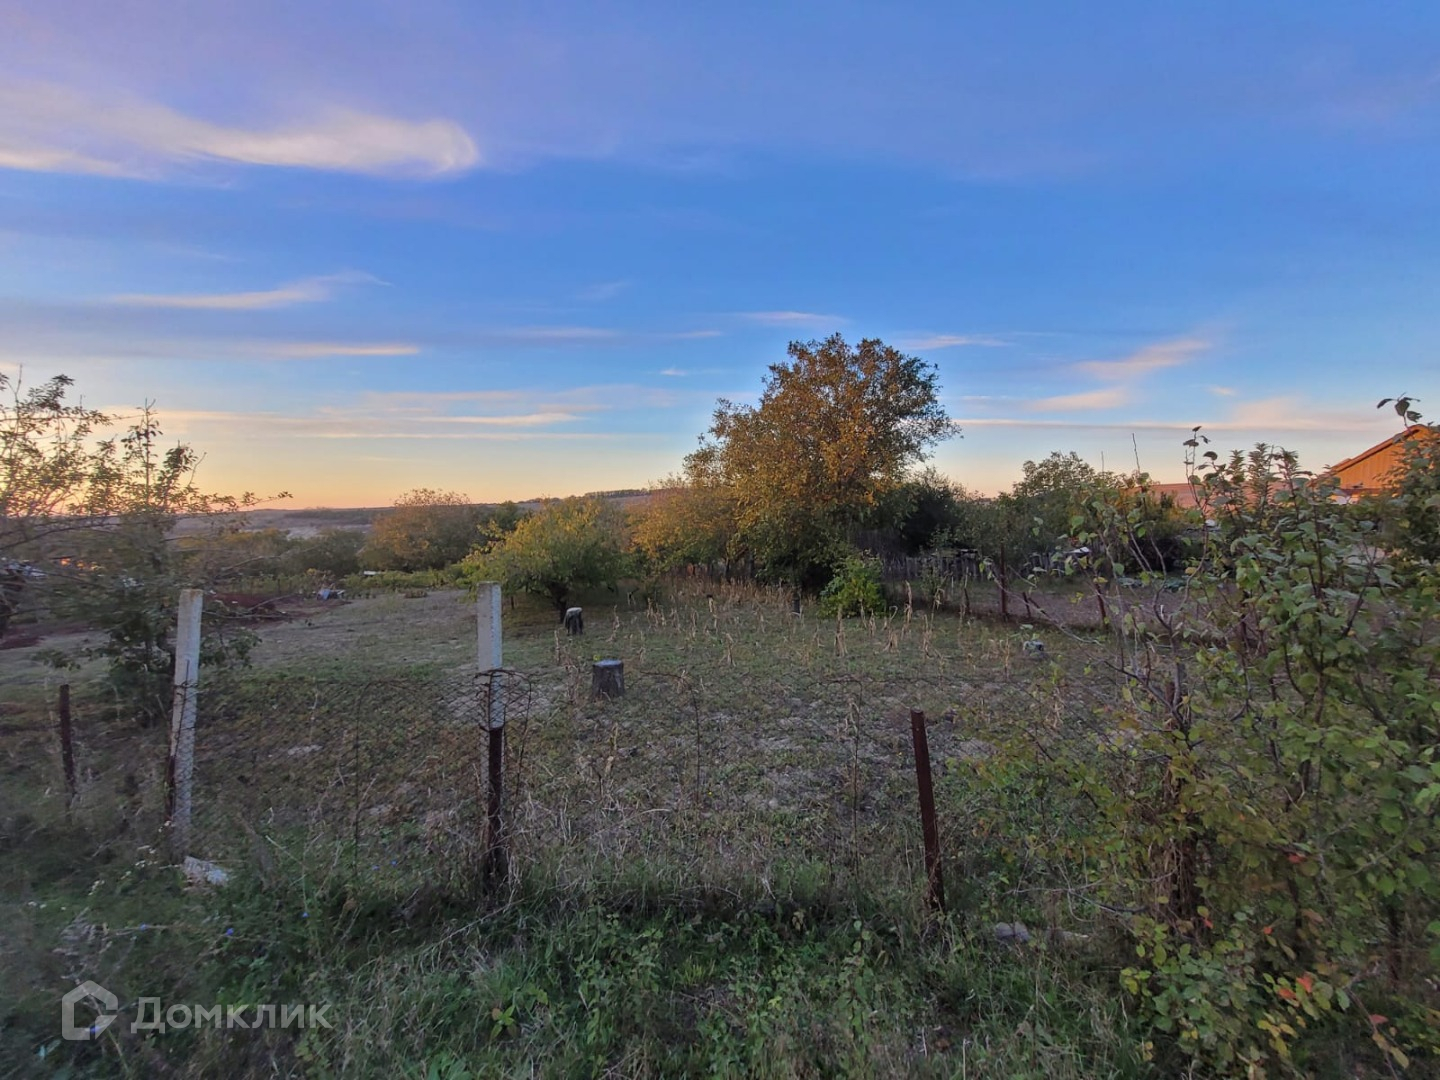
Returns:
(785,487)
(86,530)
(568,544)
(1211,808)
(430,530)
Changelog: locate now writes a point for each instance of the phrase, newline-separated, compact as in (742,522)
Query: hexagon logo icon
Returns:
(106,1003)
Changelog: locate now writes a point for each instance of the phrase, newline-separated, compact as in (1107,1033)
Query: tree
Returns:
(499,521)
(1412,515)
(92,519)
(427,530)
(1002,530)
(46,461)
(835,432)
(331,553)
(685,524)
(568,544)
(1052,491)
(925,509)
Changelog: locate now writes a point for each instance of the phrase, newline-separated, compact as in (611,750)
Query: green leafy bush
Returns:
(1267,786)
(566,545)
(855,589)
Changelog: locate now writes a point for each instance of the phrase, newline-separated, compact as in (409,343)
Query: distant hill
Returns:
(307,522)
(298,523)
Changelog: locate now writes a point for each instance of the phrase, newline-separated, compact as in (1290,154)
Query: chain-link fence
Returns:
(709,783)
(366,776)
(752,744)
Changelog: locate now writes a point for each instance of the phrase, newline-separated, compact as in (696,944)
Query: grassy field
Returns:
(719,874)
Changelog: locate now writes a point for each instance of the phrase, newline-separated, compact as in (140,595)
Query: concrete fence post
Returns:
(182,719)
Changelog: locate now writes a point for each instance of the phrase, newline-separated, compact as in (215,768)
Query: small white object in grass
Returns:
(1016,933)
(200,872)
(1035,647)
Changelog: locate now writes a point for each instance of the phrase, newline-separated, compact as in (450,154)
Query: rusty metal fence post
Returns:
(934,872)
(497,860)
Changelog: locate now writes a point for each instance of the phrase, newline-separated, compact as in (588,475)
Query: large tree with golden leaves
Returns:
(835,433)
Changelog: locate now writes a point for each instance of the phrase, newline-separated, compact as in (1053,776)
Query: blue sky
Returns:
(512,250)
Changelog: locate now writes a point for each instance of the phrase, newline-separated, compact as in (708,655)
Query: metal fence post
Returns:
(491,660)
(67,746)
(934,872)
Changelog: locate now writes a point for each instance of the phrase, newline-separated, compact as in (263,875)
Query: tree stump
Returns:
(607,679)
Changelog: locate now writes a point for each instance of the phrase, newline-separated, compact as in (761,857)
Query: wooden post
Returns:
(1004,593)
(607,679)
(67,746)
(934,872)
(182,717)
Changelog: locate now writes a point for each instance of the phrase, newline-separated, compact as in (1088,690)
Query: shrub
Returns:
(568,544)
(1266,791)
(855,589)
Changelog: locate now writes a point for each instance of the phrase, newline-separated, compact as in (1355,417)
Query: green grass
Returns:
(719,874)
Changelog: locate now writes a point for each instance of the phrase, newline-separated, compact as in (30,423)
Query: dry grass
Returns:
(718,872)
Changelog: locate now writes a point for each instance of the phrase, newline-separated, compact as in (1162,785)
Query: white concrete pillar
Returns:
(182,716)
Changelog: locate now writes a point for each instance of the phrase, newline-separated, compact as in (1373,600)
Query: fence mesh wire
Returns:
(776,745)
(383,775)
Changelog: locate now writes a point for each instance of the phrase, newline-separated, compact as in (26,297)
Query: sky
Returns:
(515,250)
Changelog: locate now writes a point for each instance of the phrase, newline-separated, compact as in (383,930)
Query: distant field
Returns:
(301,523)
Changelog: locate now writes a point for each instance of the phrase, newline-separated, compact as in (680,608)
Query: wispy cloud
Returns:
(45,127)
(557,333)
(515,420)
(932,342)
(401,416)
(1109,397)
(675,373)
(605,290)
(430,400)
(570,401)
(1123,375)
(347,424)
(306,291)
(1164,354)
(304,350)
(791,318)
(1264,418)
(580,335)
